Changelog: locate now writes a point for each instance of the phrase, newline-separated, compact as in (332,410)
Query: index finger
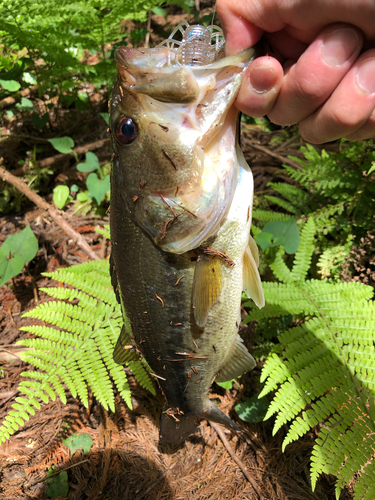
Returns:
(240,34)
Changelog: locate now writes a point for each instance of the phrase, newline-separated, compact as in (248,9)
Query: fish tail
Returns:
(175,429)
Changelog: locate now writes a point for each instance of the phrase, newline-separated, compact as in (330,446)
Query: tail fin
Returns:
(175,429)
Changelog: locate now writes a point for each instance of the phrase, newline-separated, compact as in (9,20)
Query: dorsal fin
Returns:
(207,287)
(251,279)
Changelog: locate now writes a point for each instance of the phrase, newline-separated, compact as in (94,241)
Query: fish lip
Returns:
(127,57)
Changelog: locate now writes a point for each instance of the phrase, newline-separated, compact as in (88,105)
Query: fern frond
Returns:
(303,255)
(267,215)
(282,203)
(323,370)
(291,193)
(74,350)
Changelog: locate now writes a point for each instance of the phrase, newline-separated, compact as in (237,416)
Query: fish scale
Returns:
(180,249)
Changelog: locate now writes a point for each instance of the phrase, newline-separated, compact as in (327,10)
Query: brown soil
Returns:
(125,461)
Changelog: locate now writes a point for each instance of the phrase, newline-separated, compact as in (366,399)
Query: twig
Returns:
(41,203)
(10,353)
(219,431)
(57,472)
(55,159)
(147,39)
(4,401)
(282,159)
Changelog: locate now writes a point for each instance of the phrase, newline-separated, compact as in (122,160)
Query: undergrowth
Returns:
(323,369)
(74,350)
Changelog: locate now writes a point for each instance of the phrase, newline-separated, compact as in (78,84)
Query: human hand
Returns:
(322,72)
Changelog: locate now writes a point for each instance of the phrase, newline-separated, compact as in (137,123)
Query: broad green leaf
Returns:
(40,121)
(97,187)
(78,442)
(252,410)
(159,11)
(10,85)
(23,243)
(90,164)
(264,240)
(62,144)
(10,266)
(74,188)
(226,385)
(25,104)
(57,486)
(83,197)
(279,232)
(60,196)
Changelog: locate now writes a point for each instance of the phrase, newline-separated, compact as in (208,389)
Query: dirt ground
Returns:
(125,461)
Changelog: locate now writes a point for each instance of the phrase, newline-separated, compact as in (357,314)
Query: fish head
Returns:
(173,134)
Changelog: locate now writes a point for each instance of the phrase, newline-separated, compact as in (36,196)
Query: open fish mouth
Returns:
(180,98)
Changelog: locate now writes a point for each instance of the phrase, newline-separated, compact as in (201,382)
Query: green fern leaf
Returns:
(323,370)
(74,351)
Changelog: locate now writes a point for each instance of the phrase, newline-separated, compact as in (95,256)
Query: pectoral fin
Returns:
(240,362)
(207,287)
(252,284)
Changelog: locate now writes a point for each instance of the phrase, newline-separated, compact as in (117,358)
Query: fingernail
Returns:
(262,79)
(366,76)
(339,46)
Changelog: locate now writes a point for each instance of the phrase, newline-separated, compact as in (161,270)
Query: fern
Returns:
(323,370)
(74,353)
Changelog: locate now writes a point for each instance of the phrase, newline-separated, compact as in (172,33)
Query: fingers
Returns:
(260,86)
(312,79)
(349,112)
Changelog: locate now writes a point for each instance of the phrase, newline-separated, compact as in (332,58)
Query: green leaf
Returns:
(25,104)
(74,188)
(83,197)
(279,232)
(252,410)
(97,187)
(90,164)
(62,144)
(40,121)
(372,168)
(105,117)
(57,485)
(10,266)
(10,85)
(60,196)
(78,442)
(23,243)
(159,11)
(226,385)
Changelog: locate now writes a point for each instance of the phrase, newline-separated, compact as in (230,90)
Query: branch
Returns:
(282,159)
(56,158)
(219,431)
(41,203)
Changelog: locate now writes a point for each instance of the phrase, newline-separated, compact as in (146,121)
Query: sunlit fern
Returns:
(323,370)
(74,353)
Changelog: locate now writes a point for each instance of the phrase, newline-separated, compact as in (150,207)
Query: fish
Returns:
(180,217)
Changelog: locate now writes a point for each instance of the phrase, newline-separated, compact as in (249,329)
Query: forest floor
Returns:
(125,461)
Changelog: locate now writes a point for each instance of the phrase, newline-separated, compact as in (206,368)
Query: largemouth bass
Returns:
(181,203)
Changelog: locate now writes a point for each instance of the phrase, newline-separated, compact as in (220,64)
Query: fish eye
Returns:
(127,130)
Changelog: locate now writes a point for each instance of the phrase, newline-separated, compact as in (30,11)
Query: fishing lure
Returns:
(199,45)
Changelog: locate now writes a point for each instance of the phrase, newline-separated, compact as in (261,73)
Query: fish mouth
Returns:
(156,60)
